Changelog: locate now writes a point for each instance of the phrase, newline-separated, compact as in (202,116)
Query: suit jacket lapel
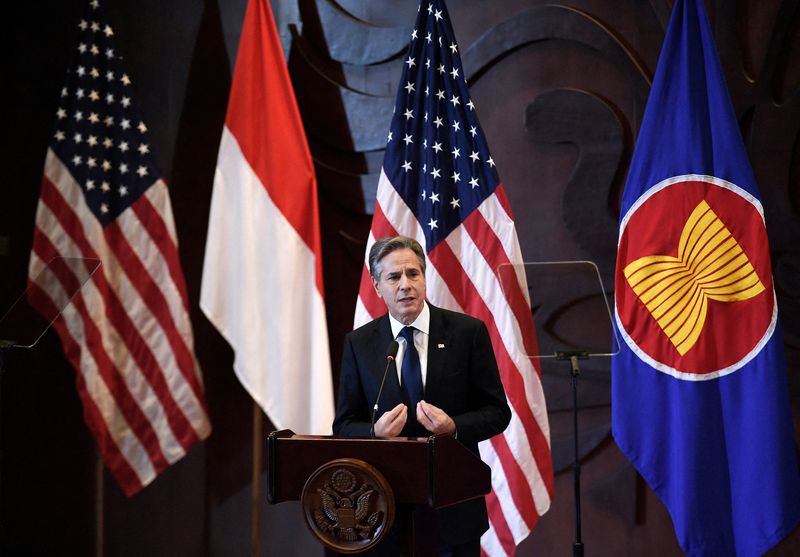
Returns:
(391,396)
(437,352)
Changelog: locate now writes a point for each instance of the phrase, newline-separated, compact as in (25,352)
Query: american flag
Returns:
(127,333)
(439,185)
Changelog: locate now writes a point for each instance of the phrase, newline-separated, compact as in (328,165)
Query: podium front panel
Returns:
(435,471)
(403,462)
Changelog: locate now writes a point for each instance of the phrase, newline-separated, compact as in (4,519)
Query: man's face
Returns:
(401,285)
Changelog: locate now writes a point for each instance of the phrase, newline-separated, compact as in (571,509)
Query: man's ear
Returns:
(375,284)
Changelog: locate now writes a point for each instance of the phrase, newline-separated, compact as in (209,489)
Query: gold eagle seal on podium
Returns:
(348,505)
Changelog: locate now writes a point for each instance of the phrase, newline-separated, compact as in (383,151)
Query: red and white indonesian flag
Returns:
(262,274)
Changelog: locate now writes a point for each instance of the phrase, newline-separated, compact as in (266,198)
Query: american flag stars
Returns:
(435,116)
(96,133)
(128,333)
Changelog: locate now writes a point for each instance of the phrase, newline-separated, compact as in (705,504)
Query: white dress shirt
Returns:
(422,324)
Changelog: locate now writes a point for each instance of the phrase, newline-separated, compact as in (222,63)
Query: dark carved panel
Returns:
(560,90)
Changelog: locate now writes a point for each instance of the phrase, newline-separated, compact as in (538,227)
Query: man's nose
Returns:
(404,282)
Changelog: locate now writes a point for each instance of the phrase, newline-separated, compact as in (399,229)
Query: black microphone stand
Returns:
(377,398)
(573,357)
(391,353)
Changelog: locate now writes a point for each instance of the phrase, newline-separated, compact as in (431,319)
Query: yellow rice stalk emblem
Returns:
(711,265)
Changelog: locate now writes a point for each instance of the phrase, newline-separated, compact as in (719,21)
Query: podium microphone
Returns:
(391,353)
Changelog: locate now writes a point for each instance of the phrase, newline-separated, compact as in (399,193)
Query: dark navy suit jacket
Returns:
(461,379)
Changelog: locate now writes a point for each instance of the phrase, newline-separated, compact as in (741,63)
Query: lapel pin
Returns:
(440,345)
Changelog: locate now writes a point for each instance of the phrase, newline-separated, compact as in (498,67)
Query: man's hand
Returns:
(392,422)
(434,419)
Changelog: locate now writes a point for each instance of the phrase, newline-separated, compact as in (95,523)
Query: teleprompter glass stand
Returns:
(573,322)
(47,295)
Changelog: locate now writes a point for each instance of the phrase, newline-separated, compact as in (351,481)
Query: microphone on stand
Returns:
(391,353)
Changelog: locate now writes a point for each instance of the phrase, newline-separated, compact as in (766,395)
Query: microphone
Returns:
(391,353)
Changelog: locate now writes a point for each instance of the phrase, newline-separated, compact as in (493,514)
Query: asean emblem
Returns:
(693,285)
(348,505)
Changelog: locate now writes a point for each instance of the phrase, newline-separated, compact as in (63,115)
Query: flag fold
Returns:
(127,332)
(700,399)
(439,185)
(262,272)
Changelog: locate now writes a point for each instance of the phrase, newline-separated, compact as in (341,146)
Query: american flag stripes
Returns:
(439,185)
(127,333)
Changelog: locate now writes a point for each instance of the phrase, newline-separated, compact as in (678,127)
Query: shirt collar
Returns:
(421,323)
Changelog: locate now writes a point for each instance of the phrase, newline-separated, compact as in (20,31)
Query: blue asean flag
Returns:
(700,397)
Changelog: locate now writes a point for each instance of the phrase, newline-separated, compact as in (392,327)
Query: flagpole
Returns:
(99,498)
(4,345)
(258,459)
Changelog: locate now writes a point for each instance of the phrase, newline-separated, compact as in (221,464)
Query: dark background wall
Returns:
(560,91)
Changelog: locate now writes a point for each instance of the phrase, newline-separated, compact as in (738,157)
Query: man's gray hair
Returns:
(385,246)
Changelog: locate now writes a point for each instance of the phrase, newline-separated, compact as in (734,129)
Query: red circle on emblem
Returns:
(728,321)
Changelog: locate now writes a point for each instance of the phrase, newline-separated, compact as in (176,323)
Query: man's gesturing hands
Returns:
(432,418)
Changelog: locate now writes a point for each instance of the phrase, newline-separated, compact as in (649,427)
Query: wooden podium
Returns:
(424,473)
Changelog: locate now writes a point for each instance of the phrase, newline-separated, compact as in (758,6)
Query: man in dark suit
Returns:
(445,381)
